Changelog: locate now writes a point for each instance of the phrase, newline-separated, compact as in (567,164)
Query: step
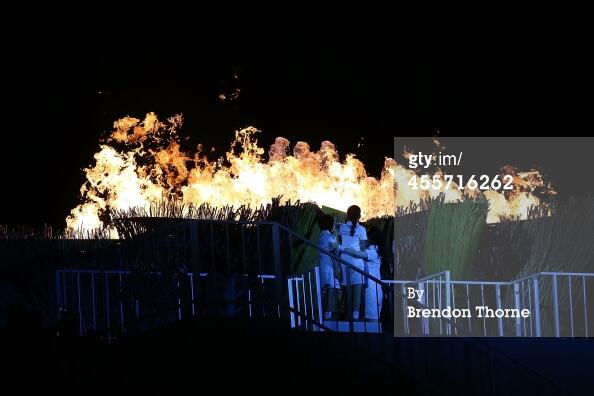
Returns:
(358,327)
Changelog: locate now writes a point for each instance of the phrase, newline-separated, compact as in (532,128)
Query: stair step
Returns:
(358,327)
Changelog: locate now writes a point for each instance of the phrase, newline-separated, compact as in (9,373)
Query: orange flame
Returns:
(142,164)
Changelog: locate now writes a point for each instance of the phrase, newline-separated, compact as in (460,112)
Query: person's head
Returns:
(374,237)
(326,222)
(353,214)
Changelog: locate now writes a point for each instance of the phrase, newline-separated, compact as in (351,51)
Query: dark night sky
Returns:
(311,73)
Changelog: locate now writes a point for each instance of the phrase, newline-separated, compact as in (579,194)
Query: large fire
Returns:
(141,164)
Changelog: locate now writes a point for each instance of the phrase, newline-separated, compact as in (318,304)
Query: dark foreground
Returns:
(234,355)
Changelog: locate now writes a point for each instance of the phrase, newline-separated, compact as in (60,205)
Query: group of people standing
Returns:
(360,249)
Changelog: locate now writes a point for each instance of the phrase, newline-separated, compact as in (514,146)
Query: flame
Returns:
(141,163)
(517,202)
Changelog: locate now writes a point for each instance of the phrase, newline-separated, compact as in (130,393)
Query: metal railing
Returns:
(241,267)
(305,295)
(560,301)
(311,299)
(160,267)
(109,301)
(550,304)
(231,259)
(252,269)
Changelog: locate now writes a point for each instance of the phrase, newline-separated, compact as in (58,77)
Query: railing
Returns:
(241,267)
(255,268)
(307,298)
(109,301)
(250,269)
(226,255)
(555,304)
(561,296)
(305,295)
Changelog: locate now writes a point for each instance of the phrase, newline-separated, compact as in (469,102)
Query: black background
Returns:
(307,72)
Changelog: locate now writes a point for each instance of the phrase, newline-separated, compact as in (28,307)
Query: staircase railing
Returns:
(258,266)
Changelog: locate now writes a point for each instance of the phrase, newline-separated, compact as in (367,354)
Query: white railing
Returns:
(556,303)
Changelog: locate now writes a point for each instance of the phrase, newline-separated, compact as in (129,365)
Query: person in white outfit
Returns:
(353,236)
(373,291)
(328,278)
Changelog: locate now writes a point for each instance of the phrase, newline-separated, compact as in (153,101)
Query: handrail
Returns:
(429,277)
(551,274)
(128,272)
(482,282)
